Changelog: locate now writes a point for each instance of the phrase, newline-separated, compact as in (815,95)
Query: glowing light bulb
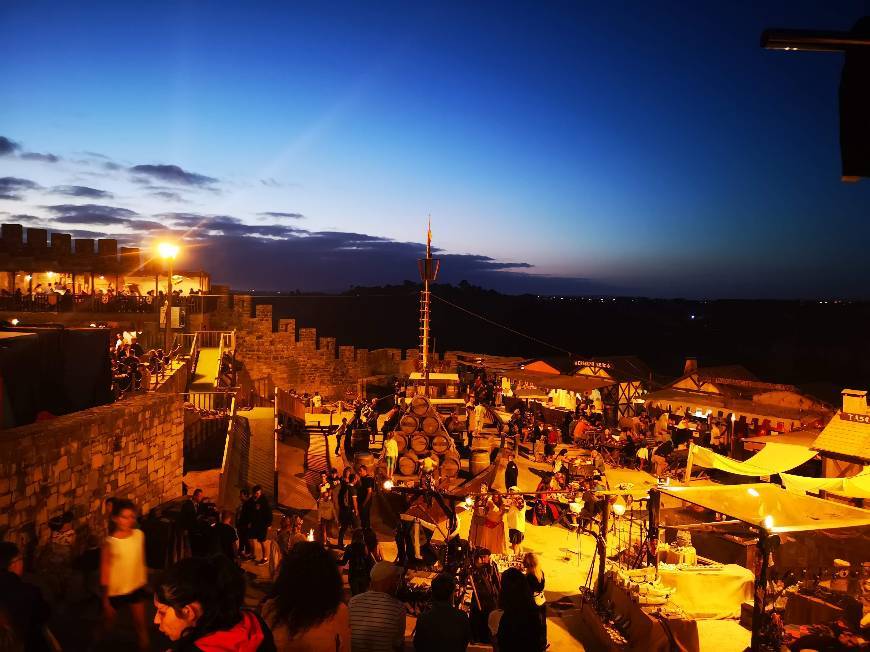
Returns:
(311,535)
(388,485)
(14,321)
(469,501)
(768,522)
(618,509)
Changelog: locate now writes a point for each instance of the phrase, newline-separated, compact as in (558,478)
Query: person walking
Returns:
(391,454)
(341,432)
(123,576)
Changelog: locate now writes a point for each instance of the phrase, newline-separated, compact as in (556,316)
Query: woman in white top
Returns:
(123,576)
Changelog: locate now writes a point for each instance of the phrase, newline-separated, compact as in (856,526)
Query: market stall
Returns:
(811,562)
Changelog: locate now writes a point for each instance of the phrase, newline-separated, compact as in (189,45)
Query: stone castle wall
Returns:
(303,360)
(130,449)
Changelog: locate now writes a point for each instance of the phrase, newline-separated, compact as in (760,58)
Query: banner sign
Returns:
(590,363)
(855,418)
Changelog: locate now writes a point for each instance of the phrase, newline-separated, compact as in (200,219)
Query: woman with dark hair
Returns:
(304,609)
(359,563)
(199,607)
(517,624)
(372,544)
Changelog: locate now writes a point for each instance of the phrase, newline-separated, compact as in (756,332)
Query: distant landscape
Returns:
(822,346)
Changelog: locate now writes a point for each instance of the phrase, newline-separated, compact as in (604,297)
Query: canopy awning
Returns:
(857,486)
(804,438)
(773,458)
(770,507)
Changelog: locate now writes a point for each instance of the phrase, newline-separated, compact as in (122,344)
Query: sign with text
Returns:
(591,363)
(855,418)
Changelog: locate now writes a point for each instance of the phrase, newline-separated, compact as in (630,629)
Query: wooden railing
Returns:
(289,404)
(210,339)
(218,401)
(233,475)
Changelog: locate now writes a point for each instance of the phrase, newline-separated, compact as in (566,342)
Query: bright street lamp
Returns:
(168,251)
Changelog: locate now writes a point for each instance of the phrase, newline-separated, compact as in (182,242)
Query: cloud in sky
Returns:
(82,191)
(263,249)
(168,195)
(10,187)
(36,156)
(8,146)
(292,216)
(173,174)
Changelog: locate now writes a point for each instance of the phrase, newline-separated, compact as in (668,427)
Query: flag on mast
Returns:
(429,238)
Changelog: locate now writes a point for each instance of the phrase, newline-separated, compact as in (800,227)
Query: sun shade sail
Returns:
(771,507)
(855,487)
(773,458)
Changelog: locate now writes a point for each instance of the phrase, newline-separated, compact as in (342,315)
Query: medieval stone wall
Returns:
(297,358)
(130,449)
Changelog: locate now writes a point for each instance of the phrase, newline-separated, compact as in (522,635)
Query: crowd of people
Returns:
(199,601)
(132,367)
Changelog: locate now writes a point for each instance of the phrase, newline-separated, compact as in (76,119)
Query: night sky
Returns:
(642,148)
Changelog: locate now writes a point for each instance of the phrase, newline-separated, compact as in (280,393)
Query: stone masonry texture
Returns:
(304,361)
(130,449)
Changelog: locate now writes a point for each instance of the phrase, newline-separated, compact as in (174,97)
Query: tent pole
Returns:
(758,611)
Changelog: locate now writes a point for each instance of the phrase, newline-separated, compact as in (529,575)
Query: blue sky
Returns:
(643,148)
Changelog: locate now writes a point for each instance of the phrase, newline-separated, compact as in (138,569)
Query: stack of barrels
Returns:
(419,434)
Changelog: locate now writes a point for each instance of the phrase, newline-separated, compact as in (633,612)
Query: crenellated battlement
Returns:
(300,359)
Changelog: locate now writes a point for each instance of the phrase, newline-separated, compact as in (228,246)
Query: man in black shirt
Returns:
(365,494)
(261,519)
(227,539)
(511,473)
(348,507)
(443,628)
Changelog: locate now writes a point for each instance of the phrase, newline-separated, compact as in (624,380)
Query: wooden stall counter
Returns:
(647,631)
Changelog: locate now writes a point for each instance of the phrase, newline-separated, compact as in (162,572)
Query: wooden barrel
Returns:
(420,405)
(450,464)
(407,463)
(481,442)
(430,425)
(408,423)
(364,459)
(440,443)
(419,443)
(401,441)
(479,461)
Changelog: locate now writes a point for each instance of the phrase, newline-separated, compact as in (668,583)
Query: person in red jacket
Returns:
(199,608)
